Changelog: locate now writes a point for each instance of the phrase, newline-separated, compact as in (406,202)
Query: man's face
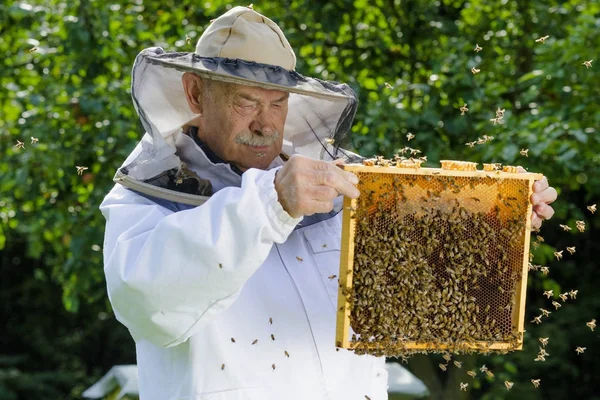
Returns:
(242,124)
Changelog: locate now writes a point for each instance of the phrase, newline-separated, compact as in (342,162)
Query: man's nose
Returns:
(261,125)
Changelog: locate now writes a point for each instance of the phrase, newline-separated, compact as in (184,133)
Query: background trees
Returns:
(65,81)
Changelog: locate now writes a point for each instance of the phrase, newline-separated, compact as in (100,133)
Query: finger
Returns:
(318,207)
(541,185)
(333,166)
(322,193)
(536,222)
(336,181)
(521,169)
(547,196)
(544,211)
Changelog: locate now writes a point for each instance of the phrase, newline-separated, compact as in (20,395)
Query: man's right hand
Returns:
(306,186)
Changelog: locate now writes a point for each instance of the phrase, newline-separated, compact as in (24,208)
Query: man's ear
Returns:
(192,86)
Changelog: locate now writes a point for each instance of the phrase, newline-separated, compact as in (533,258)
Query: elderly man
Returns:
(224,226)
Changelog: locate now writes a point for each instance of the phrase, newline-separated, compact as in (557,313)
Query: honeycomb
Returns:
(434,259)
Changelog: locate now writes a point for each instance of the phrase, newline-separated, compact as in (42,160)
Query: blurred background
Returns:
(64,94)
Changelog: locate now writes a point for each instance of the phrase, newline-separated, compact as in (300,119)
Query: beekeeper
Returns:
(223,230)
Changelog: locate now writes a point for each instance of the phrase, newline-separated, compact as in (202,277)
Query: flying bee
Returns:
(556,304)
(273,366)
(232,340)
(255,341)
(587,63)
(272,337)
(549,293)
(537,320)
(35,140)
(580,225)
(563,296)
(591,324)
(472,373)
(580,350)
(543,341)
(483,368)
(20,145)
(539,358)
(387,85)
(545,313)
(443,367)
(573,294)
(270,321)
(524,152)
(545,270)
(463,109)
(558,254)
(458,364)
(542,39)
(475,70)
(288,354)
(220,265)
(565,228)
(410,136)
(188,39)
(508,385)
(80,169)
(222,367)
(463,386)
(536,382)
(34,49)
(571,250)
(299,259)
(477,48)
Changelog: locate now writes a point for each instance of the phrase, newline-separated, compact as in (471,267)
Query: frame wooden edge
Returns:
(342,334)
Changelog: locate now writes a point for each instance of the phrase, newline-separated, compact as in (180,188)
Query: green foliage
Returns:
(72,93)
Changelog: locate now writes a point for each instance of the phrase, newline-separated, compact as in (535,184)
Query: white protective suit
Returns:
(231,299)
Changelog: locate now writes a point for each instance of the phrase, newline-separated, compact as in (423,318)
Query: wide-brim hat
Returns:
(246,48)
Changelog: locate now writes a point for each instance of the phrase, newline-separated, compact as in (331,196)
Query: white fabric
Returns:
(166,286)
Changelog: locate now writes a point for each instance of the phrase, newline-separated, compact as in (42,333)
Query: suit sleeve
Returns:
(168,273)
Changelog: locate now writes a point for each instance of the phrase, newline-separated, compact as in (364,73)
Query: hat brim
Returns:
(251,73)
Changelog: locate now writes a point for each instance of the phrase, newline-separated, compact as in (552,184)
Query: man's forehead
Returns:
(251,92)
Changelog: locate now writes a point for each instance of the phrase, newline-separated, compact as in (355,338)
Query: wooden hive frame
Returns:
(343,338)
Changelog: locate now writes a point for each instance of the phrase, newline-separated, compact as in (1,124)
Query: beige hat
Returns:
(243,33)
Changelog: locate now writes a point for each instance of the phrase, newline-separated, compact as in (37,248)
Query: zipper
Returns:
(303,308)
(155,191)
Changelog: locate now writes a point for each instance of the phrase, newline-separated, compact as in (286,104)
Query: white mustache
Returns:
(252,139)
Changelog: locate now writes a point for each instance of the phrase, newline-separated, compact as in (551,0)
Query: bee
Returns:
(387,85)
(222,367)
(565,228)
(543,352)
(188,39)
(542,39)
(331,277)
(255,341)
(463,386)
(549,293)
(524,152)
(232,340)
(539,358)
(540,238)
(591,324)
(410,136)
(563,296)
(483,368)
(288,354)
(543,341)
(537,320)
(463,109)
(443,367)
(587,64)
(272,337)
(273,366)
(489,374)
(580,225)
(20,145)
(573,294)
(299,259)
(508,385)
(580,350)
(35,140)
(556,304)
(558,254)
(477,48)
(270,321)
(472,373)
(220,265)
(571,249)
(80,169)
(471,144)
(33,49)
(545,270)
(545,313)
(325,244)
(536,382)
(496,120)
(367,397)
(475,70)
